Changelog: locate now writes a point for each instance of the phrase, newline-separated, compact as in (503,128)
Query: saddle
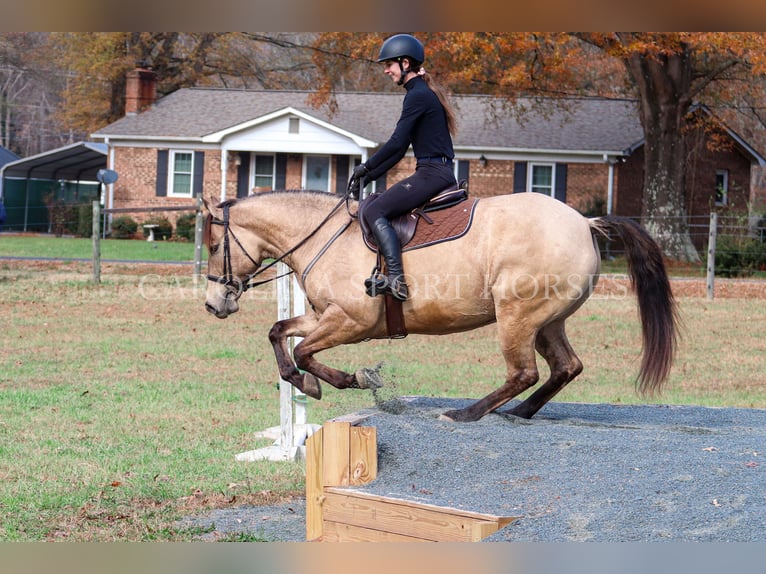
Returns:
(447,224)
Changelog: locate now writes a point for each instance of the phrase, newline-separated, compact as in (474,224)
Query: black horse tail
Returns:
(657,307)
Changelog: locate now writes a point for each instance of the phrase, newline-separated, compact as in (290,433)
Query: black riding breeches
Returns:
(428,180)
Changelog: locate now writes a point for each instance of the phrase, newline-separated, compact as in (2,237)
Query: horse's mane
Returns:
(311,194)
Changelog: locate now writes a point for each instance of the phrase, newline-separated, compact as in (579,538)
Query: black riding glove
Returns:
(355,183)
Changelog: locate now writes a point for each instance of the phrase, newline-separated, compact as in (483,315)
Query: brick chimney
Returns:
(140,90)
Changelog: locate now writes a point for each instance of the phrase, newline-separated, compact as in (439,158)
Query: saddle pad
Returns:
(447,224)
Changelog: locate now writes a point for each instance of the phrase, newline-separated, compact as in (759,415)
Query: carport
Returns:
(66,175)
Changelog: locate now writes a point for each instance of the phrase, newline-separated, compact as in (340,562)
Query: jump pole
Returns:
(290,436)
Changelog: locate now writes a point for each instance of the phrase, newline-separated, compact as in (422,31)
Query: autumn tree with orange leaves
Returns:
(666,72)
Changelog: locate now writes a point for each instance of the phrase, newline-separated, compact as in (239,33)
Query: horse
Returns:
(527,263)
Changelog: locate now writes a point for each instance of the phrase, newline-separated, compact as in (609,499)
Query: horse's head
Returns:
(231,263)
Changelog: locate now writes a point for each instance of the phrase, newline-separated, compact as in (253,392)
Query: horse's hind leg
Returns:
(553,345)
(519,353)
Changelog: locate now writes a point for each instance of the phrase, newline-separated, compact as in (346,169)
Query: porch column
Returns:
(224,164)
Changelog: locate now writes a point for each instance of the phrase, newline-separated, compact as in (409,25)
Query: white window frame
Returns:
(253,175)
(530,177)
(724,189)
(172,172)
(329,170)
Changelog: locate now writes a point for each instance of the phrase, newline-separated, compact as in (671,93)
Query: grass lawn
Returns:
(78,248)
(122,405)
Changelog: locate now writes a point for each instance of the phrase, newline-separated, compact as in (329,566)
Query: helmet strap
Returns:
(403,73)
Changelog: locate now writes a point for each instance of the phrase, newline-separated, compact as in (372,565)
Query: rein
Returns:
(231,281)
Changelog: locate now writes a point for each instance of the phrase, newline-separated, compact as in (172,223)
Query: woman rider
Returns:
(427,122)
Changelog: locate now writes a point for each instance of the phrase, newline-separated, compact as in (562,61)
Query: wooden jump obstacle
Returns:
(340,456)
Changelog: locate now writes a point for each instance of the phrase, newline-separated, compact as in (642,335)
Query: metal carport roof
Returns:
(75,162)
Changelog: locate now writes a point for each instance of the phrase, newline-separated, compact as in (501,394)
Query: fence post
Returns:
(711,255)
(198,223)
(96,242)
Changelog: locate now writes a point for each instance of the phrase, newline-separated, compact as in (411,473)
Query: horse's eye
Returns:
(213,248)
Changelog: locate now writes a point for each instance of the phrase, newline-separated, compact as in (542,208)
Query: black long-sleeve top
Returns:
(423,124)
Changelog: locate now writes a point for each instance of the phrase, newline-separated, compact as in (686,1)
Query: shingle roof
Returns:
(565,125)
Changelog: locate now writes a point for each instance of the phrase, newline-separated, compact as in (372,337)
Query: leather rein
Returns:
(237,286)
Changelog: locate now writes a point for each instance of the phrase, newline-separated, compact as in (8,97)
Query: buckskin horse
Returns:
(527,262)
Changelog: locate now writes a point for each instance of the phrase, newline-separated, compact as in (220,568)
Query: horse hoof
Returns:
(368,379)
(311,387)
(458,416)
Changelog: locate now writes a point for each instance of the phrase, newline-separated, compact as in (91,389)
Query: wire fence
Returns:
(735,245)
(739,240)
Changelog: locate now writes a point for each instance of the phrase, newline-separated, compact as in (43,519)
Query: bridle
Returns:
(234,285)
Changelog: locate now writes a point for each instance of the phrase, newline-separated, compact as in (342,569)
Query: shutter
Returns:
(462,170)
(161,182)
(199,173)
(280,178)
(341,174)
(560,183)
(243,174)
(519,176)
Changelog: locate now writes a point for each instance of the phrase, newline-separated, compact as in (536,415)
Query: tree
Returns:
(670,72)
(665,72)
(28,93)
(97,64)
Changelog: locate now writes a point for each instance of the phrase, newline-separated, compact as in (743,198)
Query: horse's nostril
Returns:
(210,308)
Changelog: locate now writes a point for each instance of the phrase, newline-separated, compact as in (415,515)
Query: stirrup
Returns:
(376,284)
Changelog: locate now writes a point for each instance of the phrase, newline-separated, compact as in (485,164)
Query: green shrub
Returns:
(739,256)
(124,227)
(84,217)
(164,231)
(85,220)
(185,226)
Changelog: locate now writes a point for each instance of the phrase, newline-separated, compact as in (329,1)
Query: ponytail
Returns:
(449,111)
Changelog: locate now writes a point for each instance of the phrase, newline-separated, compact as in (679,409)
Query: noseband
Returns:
(233,284)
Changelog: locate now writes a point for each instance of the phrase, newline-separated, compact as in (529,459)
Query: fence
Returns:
(728,245)
(100,226)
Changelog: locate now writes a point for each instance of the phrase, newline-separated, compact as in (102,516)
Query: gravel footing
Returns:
(575,472)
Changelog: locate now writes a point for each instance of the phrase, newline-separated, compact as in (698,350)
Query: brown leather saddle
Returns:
(444,216)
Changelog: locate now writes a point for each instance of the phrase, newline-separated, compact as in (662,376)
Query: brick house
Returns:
(229,143)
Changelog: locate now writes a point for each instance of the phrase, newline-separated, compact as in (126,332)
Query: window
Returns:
(263,172)
(181,173)
(317,172)
(294,125)
(541,178)
(721,187)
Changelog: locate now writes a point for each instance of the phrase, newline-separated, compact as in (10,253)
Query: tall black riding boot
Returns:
(391,249)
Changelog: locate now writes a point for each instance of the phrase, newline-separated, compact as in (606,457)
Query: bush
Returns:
(164,231)
(185,226)
(85,220)
(124,227)
(739,256)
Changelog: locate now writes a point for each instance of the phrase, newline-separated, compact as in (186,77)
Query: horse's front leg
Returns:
(334,327)
(278,335)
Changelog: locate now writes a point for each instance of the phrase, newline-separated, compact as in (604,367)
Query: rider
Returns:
(427,122)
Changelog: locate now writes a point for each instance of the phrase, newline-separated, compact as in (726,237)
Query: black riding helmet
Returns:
(400,46)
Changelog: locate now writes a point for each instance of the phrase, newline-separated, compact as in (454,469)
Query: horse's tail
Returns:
(656,305)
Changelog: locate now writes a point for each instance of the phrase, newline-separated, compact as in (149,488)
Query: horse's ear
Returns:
(210,205)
